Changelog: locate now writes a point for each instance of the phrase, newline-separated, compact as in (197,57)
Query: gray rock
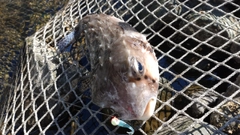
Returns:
(227,116)
(186,126)
(201,98)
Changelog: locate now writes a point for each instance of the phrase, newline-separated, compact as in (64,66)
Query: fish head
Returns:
(128,83)
(127,79)
(138,87)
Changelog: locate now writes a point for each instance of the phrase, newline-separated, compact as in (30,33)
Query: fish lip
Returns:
(149,109)
(132,113)
(146,112)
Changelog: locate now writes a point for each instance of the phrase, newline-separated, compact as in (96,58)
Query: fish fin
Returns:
(64,43)
(147,34)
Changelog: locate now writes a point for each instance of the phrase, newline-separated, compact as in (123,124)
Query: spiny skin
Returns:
(125,68)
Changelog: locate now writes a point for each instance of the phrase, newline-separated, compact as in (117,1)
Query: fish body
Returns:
(124,67)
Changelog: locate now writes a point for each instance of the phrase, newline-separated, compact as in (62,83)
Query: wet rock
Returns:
(185,126)
(229,120)
(156,15)
(19,19)
(201,98)
(227,114)
(227,26)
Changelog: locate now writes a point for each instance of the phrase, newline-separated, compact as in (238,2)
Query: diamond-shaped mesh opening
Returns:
(197,47)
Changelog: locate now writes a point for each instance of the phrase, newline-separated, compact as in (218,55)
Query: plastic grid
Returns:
(197,45)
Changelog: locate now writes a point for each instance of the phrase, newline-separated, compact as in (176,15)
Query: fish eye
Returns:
(140,67)
(137,67)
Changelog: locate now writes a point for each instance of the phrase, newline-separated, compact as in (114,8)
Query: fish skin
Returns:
(125,72)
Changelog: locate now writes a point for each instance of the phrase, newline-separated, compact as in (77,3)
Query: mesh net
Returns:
(197,46)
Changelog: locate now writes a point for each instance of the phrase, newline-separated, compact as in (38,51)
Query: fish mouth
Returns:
(137,112)
(149,109)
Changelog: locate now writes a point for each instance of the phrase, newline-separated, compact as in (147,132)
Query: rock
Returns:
(186,126)
(227,115)
(201,98)
(216,24)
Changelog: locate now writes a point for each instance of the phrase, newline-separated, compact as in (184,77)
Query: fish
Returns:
(124,67)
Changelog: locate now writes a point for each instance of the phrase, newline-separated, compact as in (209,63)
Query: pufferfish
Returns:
(124,68)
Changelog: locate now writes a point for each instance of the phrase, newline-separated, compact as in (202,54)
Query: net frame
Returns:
(153,17)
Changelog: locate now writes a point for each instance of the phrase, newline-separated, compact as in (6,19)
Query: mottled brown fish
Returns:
(124,67)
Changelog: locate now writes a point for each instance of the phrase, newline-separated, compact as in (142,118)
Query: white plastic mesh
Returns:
(197,46)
